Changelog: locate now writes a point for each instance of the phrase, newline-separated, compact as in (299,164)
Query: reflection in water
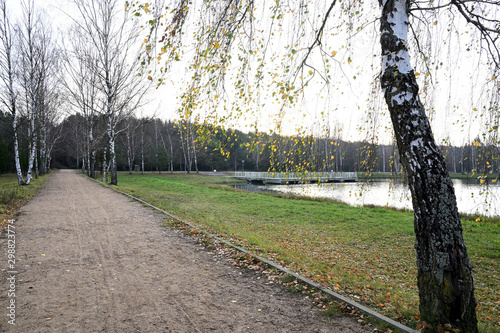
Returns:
(471,198)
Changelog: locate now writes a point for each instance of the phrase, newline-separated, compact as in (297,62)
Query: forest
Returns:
(153,144)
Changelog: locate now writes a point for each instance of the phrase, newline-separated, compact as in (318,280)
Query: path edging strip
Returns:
(311,283)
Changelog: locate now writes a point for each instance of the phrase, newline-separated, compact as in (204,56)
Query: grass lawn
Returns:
(13,196)
(364,253)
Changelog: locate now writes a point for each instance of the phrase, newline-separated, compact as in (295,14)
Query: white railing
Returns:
(294,175)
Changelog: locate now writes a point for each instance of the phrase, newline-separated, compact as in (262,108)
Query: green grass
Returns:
(13,196)
(364,253)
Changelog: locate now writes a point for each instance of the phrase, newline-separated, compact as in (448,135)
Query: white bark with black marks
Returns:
(445,281)
(108,29)
(8,98)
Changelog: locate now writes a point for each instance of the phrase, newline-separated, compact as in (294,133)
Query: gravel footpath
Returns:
(90,260)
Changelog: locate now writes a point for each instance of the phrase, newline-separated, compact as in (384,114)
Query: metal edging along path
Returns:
(313,284)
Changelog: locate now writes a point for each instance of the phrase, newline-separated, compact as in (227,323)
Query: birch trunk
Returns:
(29,61)
(32,156)
(43,149)
(157,160)
(129,152)
(194,152)
(445,282)
(111,127)
(104,166)
(142,150)
(19,171)
(112,157)
(171,150)
(87,153)
(183,145)
(188,149)
(50,148)
(92,162)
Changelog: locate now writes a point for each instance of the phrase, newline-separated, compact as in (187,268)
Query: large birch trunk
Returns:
(111,128)
(445,280)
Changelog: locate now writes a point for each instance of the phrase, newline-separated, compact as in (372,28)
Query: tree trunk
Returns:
(35,166)
(32,155)
(7,44)
(445,281)
(110,114)
(157,161)
(19,171)
(183,145)
(87,157)
(112,160)
(43,148)
(171,149)
(50,148)
(92,161)
(130,159)
(104,166)
(194,154)
(142,150)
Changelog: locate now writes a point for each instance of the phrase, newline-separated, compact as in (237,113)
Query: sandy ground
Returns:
(90,260)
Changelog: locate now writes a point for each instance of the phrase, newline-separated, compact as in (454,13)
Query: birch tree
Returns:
(107,28)
(30,60)
(79,78)
(37,58)
(446,286)
(234,43)
(9,94)
(48,95)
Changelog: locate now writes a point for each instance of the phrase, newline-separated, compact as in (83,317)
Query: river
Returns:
(472,198)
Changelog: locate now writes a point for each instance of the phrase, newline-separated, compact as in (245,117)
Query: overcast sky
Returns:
(348,103)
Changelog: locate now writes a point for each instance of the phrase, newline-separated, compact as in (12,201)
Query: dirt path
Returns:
(90,260)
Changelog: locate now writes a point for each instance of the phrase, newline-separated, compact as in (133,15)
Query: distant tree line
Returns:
(153,144)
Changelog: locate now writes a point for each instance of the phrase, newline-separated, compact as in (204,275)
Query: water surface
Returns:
(472,198)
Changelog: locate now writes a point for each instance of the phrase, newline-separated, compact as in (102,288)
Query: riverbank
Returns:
(364,253)
(401,176)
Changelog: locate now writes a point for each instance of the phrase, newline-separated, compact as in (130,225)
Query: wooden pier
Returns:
(297,178)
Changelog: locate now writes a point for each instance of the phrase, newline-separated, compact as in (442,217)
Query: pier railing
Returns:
(293,177)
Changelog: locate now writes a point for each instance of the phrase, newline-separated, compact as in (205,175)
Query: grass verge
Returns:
(13,196)
(366,254)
